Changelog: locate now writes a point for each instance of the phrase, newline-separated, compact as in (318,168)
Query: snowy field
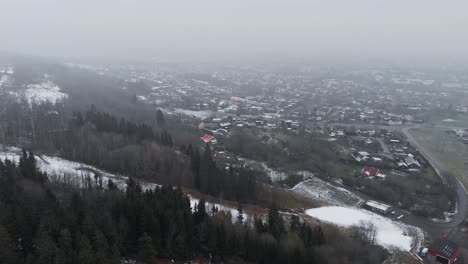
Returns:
(320,190)
(45,92)
(390,234)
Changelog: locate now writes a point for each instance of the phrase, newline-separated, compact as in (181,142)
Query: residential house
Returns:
(370,171)
(443,251)
(361,156)
(208,139)
(377,207)
(412,163)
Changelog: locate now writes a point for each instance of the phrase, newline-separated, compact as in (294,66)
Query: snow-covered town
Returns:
(233,132)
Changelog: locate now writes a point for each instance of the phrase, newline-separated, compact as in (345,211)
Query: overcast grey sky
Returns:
(210,28)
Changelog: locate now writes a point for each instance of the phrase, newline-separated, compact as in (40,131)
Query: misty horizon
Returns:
(428,30)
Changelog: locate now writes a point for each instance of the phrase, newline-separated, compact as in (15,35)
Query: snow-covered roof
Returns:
(412,161)
(380,206)
(363,153)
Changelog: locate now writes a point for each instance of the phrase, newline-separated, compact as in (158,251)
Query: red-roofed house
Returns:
(370,172)
(443,251)
(207,138)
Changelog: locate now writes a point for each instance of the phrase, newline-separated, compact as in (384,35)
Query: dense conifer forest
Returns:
(49,222)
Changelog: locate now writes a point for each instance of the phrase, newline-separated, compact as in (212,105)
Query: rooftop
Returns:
(445,247)
(380,206)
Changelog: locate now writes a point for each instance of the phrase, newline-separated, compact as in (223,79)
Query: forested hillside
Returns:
(43,222)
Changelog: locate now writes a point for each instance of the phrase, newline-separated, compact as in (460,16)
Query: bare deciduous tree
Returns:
(365,231)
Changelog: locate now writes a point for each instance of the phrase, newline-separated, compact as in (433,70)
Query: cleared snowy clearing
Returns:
(390,234)
(318,189)
(45,92)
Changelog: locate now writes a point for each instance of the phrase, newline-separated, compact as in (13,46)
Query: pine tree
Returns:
(146,252)
(46,248)
(65,251)
(275,222)
(115,256)
(201,211)
(160,120)
(259,225)
(85,251)
(295,224)
(208,173)
(240,214)
(88,228)
(111,185)
(7,247)
(101,248)
(195,165)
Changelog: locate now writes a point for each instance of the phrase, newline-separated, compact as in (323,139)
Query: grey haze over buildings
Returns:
(221,28)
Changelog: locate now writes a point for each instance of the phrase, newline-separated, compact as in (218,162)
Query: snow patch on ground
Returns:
(4,80)
(221,208)
(305,174)
(142,98)
(274,175)
(318,189)
(198,114)
(449,120)
(70,171)
(448,216)
(45,92)
(389,234)
(7,70)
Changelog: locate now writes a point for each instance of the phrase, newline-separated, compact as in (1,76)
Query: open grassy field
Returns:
(452,153)
(450,120)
